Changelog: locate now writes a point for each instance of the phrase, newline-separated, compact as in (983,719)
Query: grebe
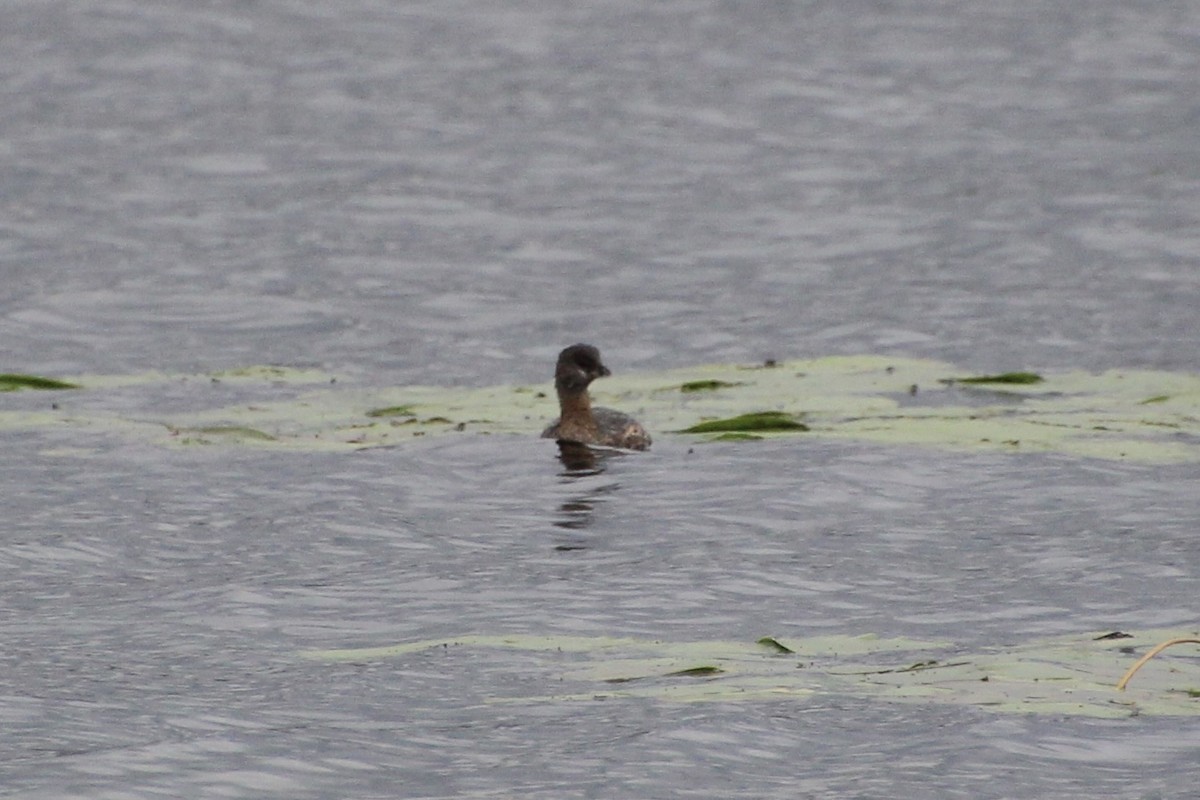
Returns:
(577,367)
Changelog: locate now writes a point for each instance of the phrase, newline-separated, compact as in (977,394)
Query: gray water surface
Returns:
(159,601)
(445,193)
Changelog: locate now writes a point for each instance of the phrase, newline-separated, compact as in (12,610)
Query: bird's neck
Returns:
(576,409)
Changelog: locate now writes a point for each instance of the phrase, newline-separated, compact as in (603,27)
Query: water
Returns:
(442,194)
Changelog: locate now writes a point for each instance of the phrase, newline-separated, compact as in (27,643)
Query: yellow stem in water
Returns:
(1155,651)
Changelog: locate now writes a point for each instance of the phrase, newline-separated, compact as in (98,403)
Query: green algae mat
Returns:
(1069,675)
(1139,415)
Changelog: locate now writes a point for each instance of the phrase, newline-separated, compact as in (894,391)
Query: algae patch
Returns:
(1130,415)
(210,434)
(696,672)
(271,373)
(773,644)
(11,382)
(708,385)
(392,411)
(1009,378)
(1067,675)
(765,421)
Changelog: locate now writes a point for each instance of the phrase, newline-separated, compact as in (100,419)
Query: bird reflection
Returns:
(581,461)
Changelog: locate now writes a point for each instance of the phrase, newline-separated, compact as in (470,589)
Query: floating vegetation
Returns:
(272,374)
(1010,378)
(706,385)
(263,371)
(1116,415)
(1121,684)
(773,644)
(1056,676)
(731,436)
(756,421)
(696,672)
(11,382)
(204,434)
(392,411)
